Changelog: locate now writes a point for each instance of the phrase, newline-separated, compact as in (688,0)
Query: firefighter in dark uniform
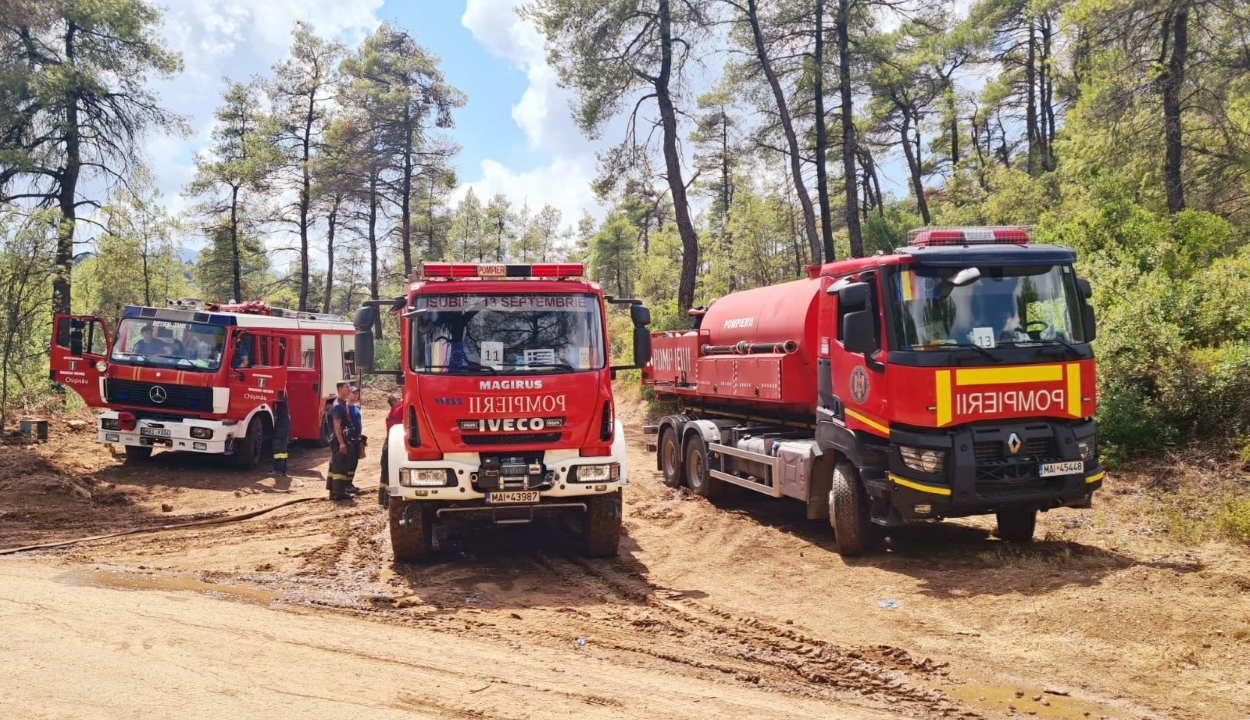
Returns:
(281,438)
(343,447)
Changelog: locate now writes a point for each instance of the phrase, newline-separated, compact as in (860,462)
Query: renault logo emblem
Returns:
(1013,443)
(158,394)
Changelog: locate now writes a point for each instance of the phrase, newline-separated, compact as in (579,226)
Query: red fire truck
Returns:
(953,377)
(204,377)
(507,400)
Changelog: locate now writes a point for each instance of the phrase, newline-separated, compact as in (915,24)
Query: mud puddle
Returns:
(136,580)
(1000,700)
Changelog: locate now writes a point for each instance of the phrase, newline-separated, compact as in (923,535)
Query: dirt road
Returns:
(741,610)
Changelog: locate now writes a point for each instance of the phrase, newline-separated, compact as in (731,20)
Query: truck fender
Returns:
(263,410)
(620,452)
(705,428)
(678,425)
(396,454)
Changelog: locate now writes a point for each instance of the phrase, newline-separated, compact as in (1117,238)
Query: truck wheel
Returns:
(415,541)
(249,448)
(848,511)
(601,529)
(698,479)
(135,453)
(1016,526)
(325,434)
(670,458)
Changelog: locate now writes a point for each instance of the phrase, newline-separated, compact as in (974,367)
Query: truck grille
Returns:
(177,397)
(511,439)
(994,450)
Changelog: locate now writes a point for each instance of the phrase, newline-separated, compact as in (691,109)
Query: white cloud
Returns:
(541,113)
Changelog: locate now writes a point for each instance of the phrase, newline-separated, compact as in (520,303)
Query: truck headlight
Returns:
(608,472)
(924,460)
(1088,448)
(422,477)
(202,433)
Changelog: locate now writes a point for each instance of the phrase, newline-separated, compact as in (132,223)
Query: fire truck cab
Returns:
(204,377)
(953,377)
(507,401)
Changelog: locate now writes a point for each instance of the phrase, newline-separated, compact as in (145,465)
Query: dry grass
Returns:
(1194,495)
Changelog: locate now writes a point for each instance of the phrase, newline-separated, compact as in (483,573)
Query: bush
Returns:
(1233,519)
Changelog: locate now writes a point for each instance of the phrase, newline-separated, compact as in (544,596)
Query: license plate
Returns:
(1061,468)
(514,497)
(154,432)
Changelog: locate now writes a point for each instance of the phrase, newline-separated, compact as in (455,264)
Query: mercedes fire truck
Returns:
(204,377)
(507,400)
(953,377)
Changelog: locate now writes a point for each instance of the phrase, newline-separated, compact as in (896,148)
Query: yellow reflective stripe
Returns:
(917,486)
(1009,376)
(1074,390)
(905,282)
(870,423)
(1096,477)
(943,397)
(280,456)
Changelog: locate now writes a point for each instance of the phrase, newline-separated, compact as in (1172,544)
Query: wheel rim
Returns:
(696,470)
(670,457)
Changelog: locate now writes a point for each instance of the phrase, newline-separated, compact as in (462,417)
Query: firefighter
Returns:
(281,438)
(393,418)
(361,440)
(343,447)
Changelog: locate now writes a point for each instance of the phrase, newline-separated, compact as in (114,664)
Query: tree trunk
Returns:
(332,221)
(911,150)
(64,261)
(787,125)
(672,163)
(236,265)
(374,285)
(1048,96)
(1030,110)
(842,30)
(822,136)
(1173,80)
(406,191)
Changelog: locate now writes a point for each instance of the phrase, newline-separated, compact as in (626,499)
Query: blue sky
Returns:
(515,131)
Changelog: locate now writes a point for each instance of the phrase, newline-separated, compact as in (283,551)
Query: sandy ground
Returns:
(740,609)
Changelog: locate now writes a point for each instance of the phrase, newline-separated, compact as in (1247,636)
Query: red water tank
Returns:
(772,314)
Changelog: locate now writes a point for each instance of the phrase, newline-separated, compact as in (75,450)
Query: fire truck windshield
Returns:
(487,333)
(1004,306)
(169,343)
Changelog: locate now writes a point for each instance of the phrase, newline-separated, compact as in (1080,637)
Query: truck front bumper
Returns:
(914,499)
(184,435)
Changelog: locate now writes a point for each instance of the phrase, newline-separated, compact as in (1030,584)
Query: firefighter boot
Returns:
(338,490)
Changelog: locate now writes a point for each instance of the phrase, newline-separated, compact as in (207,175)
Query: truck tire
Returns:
(698,479)
(413,542)
(1016,526)
(249,448)
(670,458)
(601,528)
(136,453)
(848,511)
(325,433)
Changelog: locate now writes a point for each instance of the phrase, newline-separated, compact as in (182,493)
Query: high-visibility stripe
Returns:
(1074,390)
(1009,376)
(904,282)
(280,456)
(869,422)
(943,379)
(1096,477)
(917,486)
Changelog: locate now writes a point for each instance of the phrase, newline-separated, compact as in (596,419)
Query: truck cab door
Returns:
(80,345)
(257,374)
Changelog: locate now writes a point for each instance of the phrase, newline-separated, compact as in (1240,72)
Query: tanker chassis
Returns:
(951,378)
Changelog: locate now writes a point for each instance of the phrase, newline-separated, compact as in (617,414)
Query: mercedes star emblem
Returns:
(1013,443)
(158,394)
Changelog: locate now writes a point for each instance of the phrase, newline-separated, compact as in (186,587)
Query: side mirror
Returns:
(366,317)
(854,296)
(1087,319)
(642,345)
(364,348)
(857,332)
(640,315)
(1083,287)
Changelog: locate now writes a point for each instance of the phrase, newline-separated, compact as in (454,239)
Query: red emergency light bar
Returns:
(929,237)
(501,270)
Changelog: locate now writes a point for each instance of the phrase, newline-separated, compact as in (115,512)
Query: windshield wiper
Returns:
(467,365)
(1076,351)
(553,365)
(972,346)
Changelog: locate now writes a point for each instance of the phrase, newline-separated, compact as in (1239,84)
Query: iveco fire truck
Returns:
(507,400)
(204,377)
(953,377)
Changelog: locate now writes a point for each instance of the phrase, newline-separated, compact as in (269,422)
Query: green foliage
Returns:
(614,257)
(1233,519)
(27,245)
